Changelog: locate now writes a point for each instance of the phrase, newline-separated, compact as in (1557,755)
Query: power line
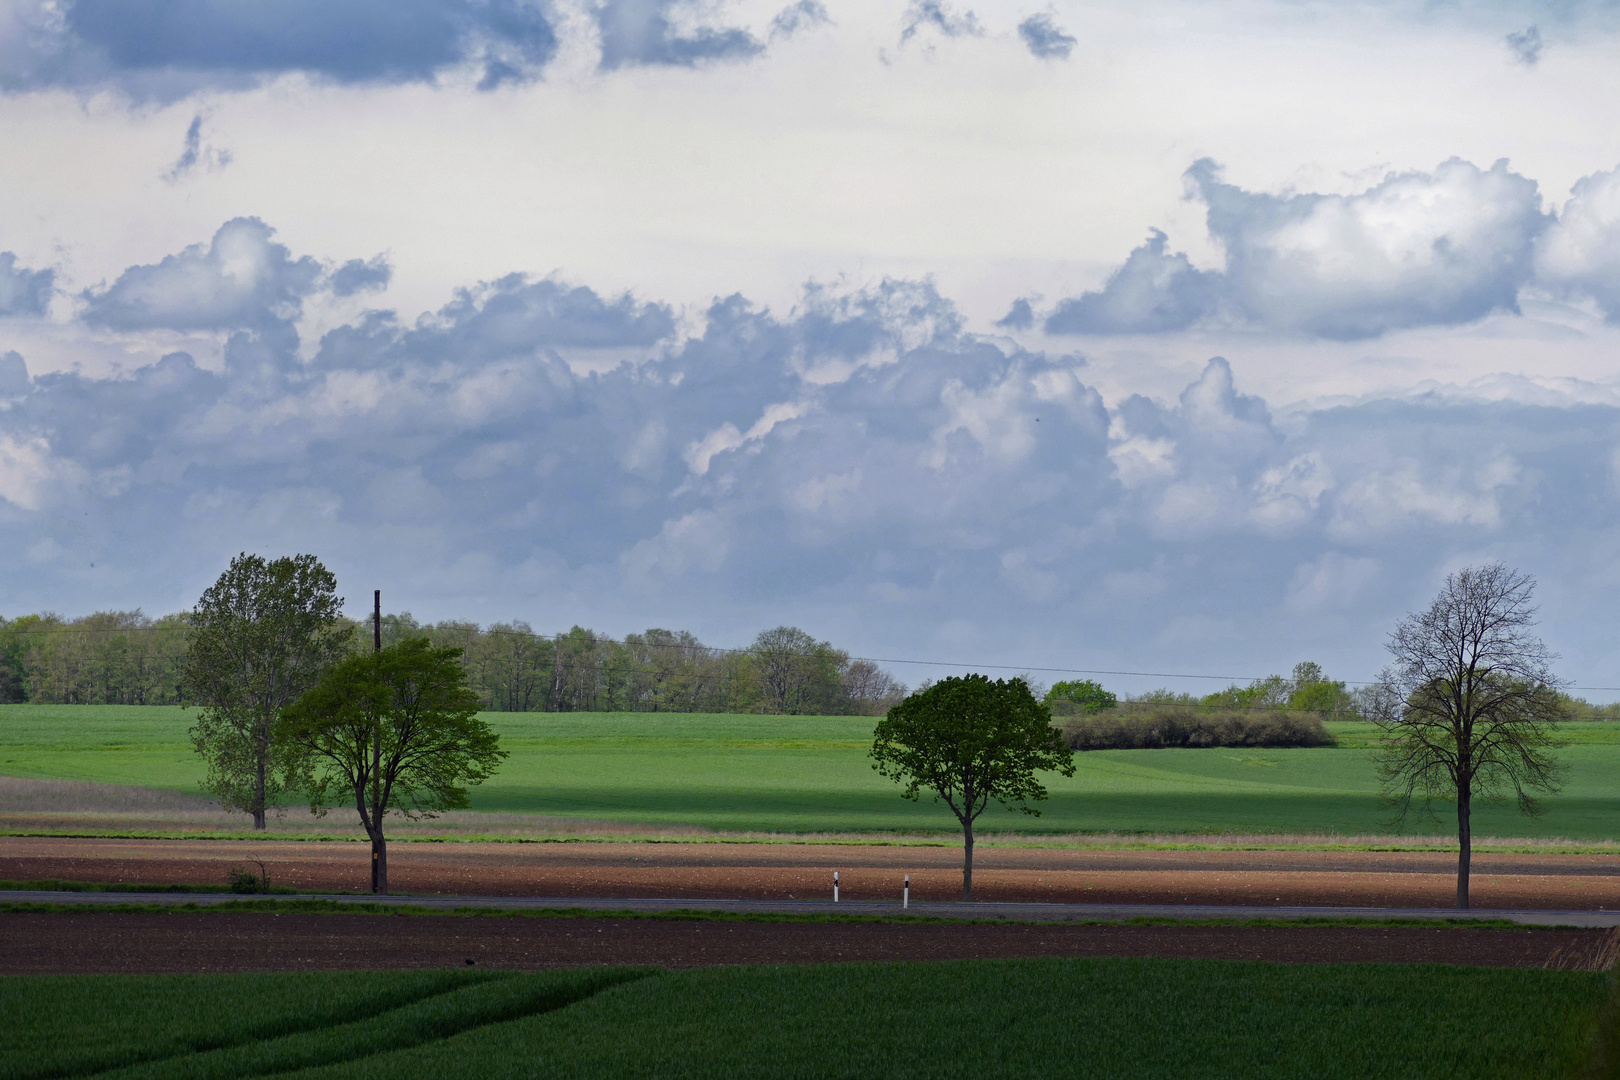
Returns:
(474,630)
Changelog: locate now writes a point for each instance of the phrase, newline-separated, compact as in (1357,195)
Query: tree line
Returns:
(126,658)
(1307,690)
(1468,709)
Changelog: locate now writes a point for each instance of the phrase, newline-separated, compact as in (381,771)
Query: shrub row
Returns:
(1153,727)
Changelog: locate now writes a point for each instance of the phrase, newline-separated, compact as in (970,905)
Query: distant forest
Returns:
(126,658)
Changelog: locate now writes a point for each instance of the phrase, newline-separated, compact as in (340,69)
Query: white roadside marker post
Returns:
(905,895)
(835,886)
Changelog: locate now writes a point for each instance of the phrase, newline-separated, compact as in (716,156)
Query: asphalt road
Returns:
(1011,912)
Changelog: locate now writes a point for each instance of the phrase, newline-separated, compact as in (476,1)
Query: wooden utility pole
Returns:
(376,742)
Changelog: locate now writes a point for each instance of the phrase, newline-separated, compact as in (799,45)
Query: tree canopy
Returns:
(1084,695)
(393,730)
(970,740)
(260,636)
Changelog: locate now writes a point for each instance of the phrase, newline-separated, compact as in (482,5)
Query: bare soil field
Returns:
(871,872)
(112,942)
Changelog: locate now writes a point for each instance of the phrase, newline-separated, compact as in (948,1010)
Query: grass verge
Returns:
(1107,841)
(358,908)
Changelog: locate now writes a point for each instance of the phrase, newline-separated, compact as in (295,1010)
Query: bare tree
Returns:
(869,690)
(1467,708)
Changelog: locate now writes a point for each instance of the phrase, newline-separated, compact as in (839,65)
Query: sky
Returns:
(1159,337)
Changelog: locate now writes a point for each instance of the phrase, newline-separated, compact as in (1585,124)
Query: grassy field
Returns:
(989,1018)
(200,1026)
(810,774)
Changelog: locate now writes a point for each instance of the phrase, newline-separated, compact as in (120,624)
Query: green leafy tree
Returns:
(796,673)
(1468,706)
(1268,693)
(516,664)
(1580,709)
(22,642)
(260,636)
(666,671)
(1309,690)
(1162,696)
(576,671)
(1312,691)
(393,730)
(1089,697)
(970,740)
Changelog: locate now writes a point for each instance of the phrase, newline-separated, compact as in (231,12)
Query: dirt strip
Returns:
(804,871)
(109,942)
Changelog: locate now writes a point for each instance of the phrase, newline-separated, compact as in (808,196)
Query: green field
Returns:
(1097,1018)
(810,774)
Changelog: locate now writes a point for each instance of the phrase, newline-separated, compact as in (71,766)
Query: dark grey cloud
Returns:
(799,16)
(187,160)
(359,275)
(1045,39)
(638,33)
(1416,249)
(1526,45)
(193,154)
(125,424)
(168,48)
(1020,316)
(13,374)
(852,413)
(242,279)
(940,17)
(23,291)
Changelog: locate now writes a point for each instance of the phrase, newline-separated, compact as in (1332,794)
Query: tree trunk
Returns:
(967,860)
(258,793)
(379,862)
(379,871)
(1465,848)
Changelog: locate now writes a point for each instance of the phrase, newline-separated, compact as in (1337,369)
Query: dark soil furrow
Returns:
(38,943)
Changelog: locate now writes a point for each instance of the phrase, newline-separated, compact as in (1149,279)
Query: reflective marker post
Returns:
(835,886)
(905,895)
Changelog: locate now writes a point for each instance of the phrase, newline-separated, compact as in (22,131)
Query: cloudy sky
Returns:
(1151,336)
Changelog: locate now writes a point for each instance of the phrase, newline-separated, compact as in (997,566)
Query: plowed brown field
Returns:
(867,872)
